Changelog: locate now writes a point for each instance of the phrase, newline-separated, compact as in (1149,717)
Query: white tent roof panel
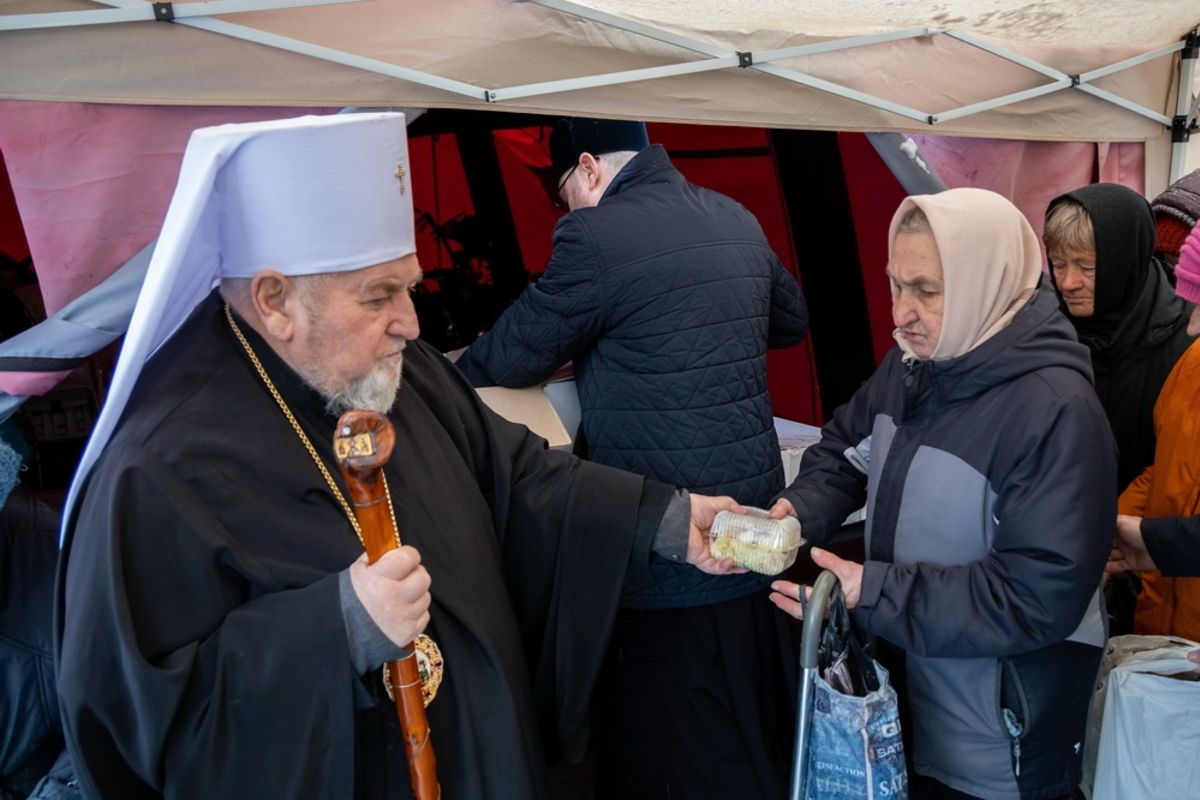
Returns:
(1067,23)
(498,46)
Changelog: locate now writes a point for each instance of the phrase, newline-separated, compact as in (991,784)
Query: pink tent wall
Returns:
(1031,174)
(92,182)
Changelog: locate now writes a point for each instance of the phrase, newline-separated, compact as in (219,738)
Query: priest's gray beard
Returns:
(375,392)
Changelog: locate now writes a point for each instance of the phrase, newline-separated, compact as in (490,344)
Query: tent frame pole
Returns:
(1186,106)
(148,12)
(339,57)
(316,51)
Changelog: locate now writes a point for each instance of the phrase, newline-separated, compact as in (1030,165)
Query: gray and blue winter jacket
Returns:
(989,481)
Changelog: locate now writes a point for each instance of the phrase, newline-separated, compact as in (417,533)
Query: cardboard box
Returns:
(529,407)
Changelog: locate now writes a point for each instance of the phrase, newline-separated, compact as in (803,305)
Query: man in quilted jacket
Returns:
(666,297)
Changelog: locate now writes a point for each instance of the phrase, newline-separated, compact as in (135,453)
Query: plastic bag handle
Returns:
(839,636)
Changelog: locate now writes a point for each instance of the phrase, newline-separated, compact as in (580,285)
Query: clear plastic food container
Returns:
(755,541)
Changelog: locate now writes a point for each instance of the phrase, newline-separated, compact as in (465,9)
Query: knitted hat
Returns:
(574,136)
(1169,233)
(1176,212)
(1187,271)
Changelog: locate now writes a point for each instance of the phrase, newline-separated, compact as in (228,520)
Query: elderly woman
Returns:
(989,474)
(1099,240)
(1100,243)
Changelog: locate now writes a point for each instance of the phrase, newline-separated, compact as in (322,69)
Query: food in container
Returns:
(755,541)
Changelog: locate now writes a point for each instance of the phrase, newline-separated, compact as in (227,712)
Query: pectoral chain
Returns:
(429,656)
(308,445)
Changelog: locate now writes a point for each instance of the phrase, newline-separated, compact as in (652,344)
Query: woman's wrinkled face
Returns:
(1075,276)
(918,291)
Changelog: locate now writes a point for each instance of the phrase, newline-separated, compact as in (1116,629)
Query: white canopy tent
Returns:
(1121,70)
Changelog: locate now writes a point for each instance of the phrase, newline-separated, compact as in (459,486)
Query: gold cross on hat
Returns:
(400,174)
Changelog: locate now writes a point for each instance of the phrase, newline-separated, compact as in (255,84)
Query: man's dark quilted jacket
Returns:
(666,296)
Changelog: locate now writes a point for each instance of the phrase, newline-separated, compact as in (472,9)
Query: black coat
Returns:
(30,734)
(666,297)
(203,650)
(1139,328)
(1174,544)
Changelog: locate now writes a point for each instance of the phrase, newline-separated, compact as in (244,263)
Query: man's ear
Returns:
(276,301)
(590,166)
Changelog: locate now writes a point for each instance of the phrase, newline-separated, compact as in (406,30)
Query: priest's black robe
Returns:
(202,648)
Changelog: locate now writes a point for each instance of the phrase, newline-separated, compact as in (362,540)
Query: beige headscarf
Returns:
(991,263)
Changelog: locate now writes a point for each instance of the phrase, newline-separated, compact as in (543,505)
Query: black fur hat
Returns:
(574,136)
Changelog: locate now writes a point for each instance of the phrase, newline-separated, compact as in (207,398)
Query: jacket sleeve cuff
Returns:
(369,646)
(671,540)
(1166,542)
(817,531)
(871,586)
(656,497)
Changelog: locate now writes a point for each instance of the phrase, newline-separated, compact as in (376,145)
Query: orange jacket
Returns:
(1171,487)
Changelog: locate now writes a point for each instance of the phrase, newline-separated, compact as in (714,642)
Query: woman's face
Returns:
(1075,276)
(1194,322)
(918,291)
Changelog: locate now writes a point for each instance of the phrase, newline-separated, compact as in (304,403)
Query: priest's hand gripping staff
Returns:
(363,443)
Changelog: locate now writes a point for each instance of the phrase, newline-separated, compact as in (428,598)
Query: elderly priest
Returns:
(220,632)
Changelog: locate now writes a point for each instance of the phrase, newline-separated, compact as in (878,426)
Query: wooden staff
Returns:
(363,443)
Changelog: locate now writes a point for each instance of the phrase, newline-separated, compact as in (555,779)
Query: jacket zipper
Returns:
(889,493)
(910,369)
(1014,719)
(1015,729)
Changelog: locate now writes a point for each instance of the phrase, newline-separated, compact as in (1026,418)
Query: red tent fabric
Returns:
(12,234)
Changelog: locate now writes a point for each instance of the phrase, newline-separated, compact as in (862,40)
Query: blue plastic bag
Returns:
(855,749)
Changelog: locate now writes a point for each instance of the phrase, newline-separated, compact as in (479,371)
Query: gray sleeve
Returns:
(671,540)
(369,646)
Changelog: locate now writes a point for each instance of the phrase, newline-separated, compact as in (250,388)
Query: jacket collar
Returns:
(1155,314)
(1038,337)
(651,165)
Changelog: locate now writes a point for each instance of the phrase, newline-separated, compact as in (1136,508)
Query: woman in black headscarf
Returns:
(1100,243)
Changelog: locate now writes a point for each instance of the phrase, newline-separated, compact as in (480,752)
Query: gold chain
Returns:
(308,445)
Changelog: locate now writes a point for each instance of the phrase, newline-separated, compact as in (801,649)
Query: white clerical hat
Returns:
(310,195)
(301,196)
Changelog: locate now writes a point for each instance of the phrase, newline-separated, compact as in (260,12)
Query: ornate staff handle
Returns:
(363,443)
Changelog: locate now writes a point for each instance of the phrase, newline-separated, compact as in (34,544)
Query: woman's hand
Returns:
(786,595)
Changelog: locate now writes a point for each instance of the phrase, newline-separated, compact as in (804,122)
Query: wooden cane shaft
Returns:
(404,676)
(410,708)
(374,517)
(368,497)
